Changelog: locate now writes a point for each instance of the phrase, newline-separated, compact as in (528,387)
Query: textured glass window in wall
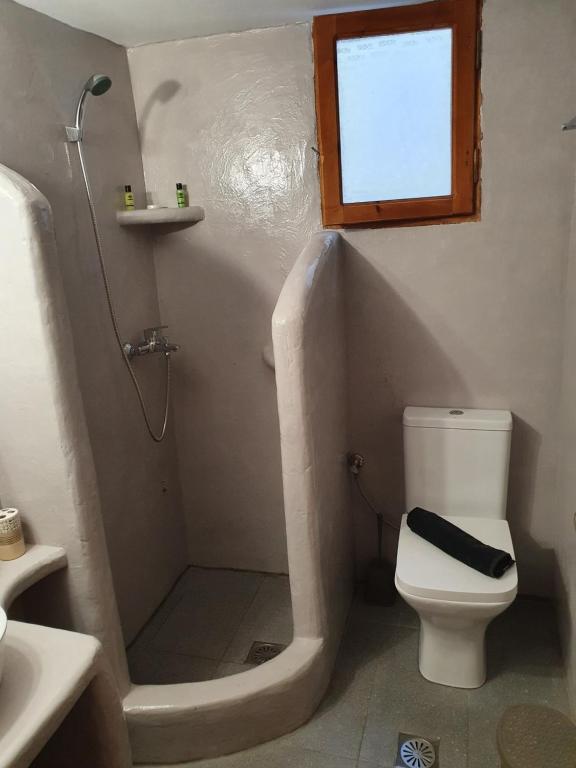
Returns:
(395,115)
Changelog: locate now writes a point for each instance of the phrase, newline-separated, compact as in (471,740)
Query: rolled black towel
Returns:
(459,544)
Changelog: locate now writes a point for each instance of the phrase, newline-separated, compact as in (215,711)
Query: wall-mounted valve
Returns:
(153,341)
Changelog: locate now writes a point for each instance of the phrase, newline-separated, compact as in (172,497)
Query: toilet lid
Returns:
(424,570)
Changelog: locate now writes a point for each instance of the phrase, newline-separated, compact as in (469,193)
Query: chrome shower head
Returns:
(96,85)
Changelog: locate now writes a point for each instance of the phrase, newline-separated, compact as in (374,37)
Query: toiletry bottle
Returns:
(128,198)
(181,195)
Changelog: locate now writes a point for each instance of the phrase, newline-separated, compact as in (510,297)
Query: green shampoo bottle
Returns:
(181,195)
(128,198)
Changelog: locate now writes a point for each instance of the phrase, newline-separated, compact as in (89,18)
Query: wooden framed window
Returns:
(397,108)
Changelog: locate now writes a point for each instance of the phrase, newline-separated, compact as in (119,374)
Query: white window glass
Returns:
(395,110)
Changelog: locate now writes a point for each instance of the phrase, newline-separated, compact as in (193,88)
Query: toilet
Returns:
(456,464)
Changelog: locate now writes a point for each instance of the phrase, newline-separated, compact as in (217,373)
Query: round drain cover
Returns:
(418,753)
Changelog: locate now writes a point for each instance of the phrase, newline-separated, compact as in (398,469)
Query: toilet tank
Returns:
(456,460)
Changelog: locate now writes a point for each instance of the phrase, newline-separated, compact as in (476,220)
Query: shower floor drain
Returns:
(261,652)
(416,752)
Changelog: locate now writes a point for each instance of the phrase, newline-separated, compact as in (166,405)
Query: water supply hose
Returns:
(355,463)
(156,436)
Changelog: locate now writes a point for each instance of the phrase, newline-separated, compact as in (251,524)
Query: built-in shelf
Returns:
(146,216)
(17,575)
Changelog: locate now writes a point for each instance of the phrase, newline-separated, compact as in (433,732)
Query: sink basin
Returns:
(3,625)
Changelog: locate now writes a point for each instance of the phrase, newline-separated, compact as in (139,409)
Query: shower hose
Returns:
(156,436)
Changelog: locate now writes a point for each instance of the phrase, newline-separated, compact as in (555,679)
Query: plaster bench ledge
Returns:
(16,576)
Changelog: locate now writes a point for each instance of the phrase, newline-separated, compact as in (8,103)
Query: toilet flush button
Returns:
(456,412)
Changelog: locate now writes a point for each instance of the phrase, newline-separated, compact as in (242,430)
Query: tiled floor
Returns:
(206,626)
(377,691)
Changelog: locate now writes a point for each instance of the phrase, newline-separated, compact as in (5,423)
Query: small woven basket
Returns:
(11,536)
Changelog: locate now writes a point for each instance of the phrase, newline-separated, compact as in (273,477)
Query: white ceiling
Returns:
(137,22)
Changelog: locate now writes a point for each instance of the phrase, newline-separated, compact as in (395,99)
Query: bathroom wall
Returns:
(43,65)
(232,117)
(565,528)
(466,314)
(46,465)
(471,314)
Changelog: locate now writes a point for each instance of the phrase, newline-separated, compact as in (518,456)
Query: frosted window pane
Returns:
(395,108)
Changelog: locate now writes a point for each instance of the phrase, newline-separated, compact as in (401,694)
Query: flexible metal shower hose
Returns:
(156,436)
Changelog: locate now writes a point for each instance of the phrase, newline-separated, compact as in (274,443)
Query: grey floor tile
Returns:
(365,764)
(150,629)
(524,667)
(377,691)
(337,726)
(139,665)
(208,613)
(399,615)
(524,638)
(159,668)
(487,705)
(227,668)
(213,581)
(402,700)
(268,619)
(271,755)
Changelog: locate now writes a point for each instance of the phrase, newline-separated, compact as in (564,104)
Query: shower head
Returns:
(96,85)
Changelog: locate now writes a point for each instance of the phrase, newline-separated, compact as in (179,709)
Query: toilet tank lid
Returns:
(458,418)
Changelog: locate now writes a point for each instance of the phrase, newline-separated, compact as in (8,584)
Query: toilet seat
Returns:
(423,570)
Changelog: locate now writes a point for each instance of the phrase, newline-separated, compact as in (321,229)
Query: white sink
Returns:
(3,625)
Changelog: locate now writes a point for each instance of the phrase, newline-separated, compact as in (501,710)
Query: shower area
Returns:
(208,353)
(221,619)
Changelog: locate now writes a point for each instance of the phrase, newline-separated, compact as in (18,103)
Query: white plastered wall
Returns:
(231,116)
(43,65)
(565,527)
(467,315)
(46,465)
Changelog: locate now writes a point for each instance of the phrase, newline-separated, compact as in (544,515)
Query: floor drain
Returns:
(261,652)
(416,752)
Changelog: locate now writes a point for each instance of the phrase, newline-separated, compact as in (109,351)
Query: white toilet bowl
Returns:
(455,603)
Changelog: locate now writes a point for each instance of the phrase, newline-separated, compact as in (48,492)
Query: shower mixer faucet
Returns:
(153,341)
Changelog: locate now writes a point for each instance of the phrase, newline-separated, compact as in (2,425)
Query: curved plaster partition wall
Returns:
(175,723)
(310,356)
(46,465)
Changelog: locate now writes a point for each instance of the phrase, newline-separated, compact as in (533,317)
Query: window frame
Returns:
(463,17)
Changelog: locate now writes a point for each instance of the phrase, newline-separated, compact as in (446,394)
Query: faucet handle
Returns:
(154,341)
(150,334)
